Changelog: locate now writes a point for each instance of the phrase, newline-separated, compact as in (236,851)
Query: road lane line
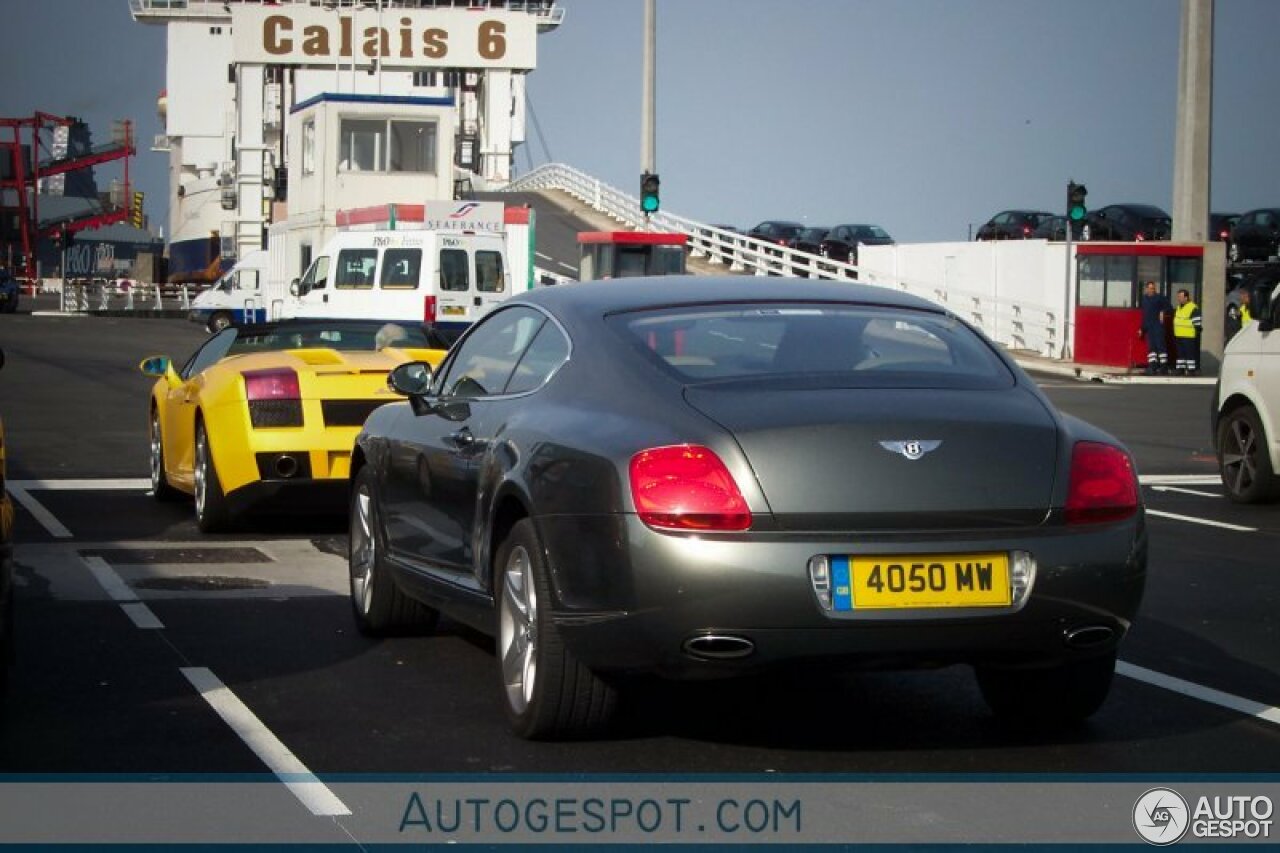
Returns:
(1205,521)
(111,582)
(1180,480)
(566,266)
(1199,691)
(544,257)
(304,784)
(79,485)
(1184,491)
(142,616)
(47,519)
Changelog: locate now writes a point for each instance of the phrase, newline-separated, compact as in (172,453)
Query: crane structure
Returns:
(20,183)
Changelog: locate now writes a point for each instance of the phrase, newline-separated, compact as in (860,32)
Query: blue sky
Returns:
(921,115)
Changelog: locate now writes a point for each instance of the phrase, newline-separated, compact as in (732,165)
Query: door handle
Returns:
(478,301)
(326,297)
(462,438)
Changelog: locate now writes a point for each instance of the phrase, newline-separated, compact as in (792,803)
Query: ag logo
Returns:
(1161,816)
(912,449)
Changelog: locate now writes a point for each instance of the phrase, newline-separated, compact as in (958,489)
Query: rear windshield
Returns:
(349,337)
(813,345)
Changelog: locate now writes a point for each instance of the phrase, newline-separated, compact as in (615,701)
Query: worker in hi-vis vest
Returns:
(1186,333)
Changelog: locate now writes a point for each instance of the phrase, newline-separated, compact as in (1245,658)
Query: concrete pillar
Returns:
(1195,114)
(1213,307)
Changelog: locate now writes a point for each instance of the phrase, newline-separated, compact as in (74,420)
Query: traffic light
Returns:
(136,216)
(649,184)
(1076,209)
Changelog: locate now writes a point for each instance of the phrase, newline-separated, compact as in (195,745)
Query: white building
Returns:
(295,109)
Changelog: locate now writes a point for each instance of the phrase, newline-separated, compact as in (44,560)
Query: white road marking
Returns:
(1198,691)
(47,519)
(1184,491)
(107,578)
(566,266)
(82,485)
(1193,520)
(304,785)
(142,616)
(1180,480)
(544,257)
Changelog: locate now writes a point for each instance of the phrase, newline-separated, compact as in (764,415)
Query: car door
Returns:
(432,465)
(313,289)
(491,280)
(456,286)
(181,403)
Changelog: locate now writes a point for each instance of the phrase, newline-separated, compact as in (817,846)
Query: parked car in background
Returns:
(810,239)
(8,292)
(691,512)
(1255,236)
(1012,225)
(6,568)
(268,414)
(1220,225)
(842,242)
(1051,228)
(781,232)
(1127,222)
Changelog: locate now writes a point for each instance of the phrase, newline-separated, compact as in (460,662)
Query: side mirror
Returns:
(156,366)
(412,379)
(295,287)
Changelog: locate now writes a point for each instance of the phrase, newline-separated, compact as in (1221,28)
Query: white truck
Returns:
(236,298)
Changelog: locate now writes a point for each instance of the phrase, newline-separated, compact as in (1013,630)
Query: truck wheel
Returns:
(1244,457)
(219,321)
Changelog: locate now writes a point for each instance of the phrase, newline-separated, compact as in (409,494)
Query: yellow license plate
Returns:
(453,310)
(921,580)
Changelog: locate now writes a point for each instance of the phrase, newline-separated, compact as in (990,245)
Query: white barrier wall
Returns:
(1015,290)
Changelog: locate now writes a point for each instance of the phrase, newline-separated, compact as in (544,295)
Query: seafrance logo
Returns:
(913,449)
(462,212)
(1160,816)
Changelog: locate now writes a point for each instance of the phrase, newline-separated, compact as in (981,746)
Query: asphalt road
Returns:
(100,686)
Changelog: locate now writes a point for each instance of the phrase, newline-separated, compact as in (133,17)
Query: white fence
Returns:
(1015,302)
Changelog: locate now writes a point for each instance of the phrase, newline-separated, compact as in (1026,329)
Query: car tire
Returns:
(160,488)
(546,692)
(1047,696)
(1244,458)
(219,321)
(212,514)
(380,608)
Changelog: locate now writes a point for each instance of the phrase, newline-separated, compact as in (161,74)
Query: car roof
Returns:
(1149,210)
(631,294)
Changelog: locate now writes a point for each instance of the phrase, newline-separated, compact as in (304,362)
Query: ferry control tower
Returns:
(280,110)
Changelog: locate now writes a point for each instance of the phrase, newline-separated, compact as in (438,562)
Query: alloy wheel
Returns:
(201,472)
(1239,456)
(363,551)
(518,633)
(157,455)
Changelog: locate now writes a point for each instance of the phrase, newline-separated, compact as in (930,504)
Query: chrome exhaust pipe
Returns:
(718,647)
(286,466)
(1089,637)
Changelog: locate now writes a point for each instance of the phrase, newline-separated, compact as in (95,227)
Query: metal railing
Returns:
(80,296)
(1015,323)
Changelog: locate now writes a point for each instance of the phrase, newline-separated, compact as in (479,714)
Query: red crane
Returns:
(23,179)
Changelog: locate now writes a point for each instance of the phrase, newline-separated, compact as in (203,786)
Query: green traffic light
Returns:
(1077,212)
(649,204)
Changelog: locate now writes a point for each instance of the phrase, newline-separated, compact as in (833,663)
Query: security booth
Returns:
(627,254)
(1110,278)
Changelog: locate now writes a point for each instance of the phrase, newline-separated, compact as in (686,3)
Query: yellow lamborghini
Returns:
(265,416)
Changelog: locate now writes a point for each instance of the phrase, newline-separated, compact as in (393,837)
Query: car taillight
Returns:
(1026,231)
(428,309)
(686,487)
(1103,485)
(271,385)
(1222,235)
(1139,237)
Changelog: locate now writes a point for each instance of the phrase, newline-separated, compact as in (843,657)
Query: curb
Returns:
(143,313)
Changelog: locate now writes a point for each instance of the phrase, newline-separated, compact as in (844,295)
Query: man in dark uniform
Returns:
(1156,308)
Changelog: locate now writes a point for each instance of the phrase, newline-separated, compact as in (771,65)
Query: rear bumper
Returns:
(627,598)
(290,497)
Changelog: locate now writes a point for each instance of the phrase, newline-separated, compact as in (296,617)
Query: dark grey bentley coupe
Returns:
(696,478)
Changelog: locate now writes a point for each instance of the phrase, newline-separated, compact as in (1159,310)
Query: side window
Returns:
(355,269)
(489,277)
(211,353)
(400,269)
(454,272)
(317,275)
(487,357)
(1001,219)
(548,351)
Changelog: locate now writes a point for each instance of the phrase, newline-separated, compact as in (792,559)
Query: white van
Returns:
(1246,419)
(236,298)
(449,279)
